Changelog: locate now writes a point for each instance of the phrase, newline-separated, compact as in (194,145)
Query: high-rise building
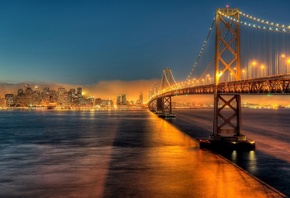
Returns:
(28,90)
(98,102)
(141,98)
(61,99)
(119,100)
(72,92)
(110,102)
(124,100)
(61,91)
(20,92)
(79,91)
(9,98)
(46,90)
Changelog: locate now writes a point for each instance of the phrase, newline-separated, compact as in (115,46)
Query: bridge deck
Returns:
(277,84)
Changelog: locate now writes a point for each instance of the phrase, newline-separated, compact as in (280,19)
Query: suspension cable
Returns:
(202,49)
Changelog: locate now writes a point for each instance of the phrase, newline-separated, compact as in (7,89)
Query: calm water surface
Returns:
(131,154)
(270,162)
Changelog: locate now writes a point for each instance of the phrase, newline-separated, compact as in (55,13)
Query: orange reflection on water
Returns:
(176,167)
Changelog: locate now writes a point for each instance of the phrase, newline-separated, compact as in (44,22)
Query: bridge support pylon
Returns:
(227,125)
(153,106)
(227,118)
(164,107)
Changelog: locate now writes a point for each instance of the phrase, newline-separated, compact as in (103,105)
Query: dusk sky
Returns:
(89,41)
(86,42)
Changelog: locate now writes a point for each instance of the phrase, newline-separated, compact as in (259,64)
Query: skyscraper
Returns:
(124,100)
(79,92)
(141,98)
(119,100)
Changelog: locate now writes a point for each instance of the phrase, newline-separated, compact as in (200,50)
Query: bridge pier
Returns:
(227,124)
(164,107)
(227,117)
(153,106)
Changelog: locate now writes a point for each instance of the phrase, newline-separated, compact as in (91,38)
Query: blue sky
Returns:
(88,41)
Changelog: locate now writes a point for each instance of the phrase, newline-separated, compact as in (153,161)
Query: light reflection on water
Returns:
(110,154)
(270,161)
(237,157)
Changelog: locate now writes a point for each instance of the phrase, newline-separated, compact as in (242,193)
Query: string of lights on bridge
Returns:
(202,49)
(271,26)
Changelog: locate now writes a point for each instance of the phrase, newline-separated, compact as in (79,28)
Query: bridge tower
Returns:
(167,79)
(227,108)
(163,103)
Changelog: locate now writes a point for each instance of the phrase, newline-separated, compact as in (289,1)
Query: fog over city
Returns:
(102,89)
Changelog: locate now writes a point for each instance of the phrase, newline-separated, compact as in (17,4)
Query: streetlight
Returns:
(206,79)
(262,70)
(288,62)
(283,56)
(253,73)
(243,74)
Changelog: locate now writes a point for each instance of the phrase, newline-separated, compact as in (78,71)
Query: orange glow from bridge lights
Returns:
(254,63)
(283,56)
(288,60)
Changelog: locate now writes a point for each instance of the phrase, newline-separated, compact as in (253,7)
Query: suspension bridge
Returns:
(242,54)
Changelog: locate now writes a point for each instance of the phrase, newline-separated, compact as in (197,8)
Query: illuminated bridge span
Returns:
(242,54)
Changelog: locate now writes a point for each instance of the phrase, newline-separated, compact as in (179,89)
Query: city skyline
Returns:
(86,42)
(104,89)
(61,98)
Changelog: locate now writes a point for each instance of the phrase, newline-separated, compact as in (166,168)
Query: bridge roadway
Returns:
(276,84)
